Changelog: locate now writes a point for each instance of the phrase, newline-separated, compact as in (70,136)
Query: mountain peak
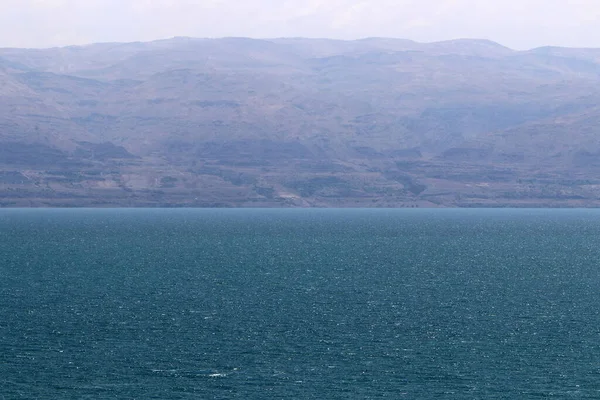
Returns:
(473,47)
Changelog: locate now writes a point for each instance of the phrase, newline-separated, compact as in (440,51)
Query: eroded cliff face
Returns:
(299,122)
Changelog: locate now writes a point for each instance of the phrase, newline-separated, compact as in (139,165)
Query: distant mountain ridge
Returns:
(299,122)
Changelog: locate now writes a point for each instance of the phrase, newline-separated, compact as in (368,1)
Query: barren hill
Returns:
(299,122)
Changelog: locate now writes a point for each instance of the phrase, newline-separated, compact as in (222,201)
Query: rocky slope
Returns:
(299,122)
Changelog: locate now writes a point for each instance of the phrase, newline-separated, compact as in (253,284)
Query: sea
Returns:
(299,304)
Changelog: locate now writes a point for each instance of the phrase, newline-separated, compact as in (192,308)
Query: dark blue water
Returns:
(299,304)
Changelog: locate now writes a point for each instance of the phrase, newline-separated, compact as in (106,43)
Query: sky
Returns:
(519,24)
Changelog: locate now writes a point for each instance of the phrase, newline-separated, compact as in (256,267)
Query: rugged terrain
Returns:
(299,122)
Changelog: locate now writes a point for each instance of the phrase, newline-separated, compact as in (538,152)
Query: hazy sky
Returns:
(519,24)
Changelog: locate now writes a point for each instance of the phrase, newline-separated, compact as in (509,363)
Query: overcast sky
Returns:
(520,24)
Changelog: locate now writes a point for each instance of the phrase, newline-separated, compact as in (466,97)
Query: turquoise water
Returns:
(299,304)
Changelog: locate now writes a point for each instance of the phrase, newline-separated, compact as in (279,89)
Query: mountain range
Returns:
(238,122)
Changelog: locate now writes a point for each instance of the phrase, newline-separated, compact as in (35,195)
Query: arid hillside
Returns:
(299,122)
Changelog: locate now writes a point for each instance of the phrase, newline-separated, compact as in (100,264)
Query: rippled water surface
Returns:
(299,304)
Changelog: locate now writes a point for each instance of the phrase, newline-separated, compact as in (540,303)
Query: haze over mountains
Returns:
(299,122)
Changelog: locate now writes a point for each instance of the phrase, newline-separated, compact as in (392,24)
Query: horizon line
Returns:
(271,39)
